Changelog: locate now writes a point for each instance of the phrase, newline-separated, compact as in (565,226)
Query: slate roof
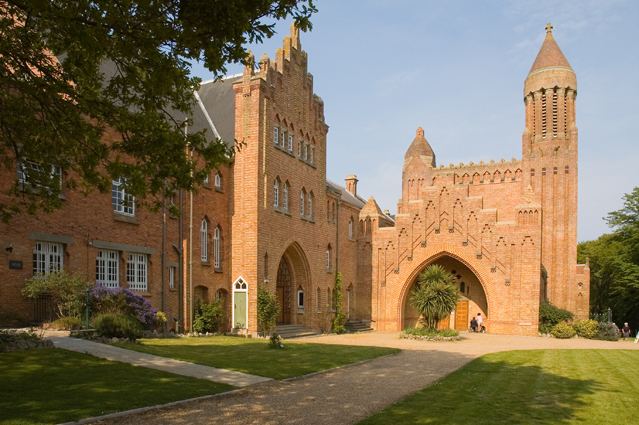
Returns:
(218,98)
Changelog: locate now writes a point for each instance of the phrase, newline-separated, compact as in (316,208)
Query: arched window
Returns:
(312,155)
(218,181)
(318,300)
(310,200)
(290,143)
(350,228)
(283,144)
(302,201)
(285,190)
(266,266)
(204,240)
(329,254)
(276,193)
(217,248)
(300,297)
(276,135)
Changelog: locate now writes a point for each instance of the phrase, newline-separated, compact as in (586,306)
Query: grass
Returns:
(53,385)
(528,387)
(255,357)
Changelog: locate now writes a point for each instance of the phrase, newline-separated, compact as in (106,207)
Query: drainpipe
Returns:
(190,253)
(163,257)
(337,240)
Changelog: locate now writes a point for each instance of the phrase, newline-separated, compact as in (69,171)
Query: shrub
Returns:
(607,331)
(586,328)
(435,295)
(67,323)
(68,292)
(431,332)
(563,330)
(115,325)
(123,301)
(267,311)
(340,318)
(276,341)
(208,318)
(550,315)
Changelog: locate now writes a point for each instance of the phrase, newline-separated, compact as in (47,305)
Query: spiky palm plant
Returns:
(435,295)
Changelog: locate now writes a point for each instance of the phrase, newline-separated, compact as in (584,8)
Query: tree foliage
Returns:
(267,311)
(340,318)
(68,292)
(614,264)
(101,88)
(435,295)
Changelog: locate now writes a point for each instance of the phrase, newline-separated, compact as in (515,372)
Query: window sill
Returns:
(307,219)
(125,218)
(205,263)
(217,270)
(281,211)
(219,190)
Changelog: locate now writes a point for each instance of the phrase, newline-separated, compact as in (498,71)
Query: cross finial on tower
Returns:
(549,28)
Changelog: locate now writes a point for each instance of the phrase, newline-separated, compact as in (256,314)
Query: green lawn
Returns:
(529,387)
(53,385)
(255,357)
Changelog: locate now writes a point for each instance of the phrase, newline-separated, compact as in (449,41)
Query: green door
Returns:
(240,310)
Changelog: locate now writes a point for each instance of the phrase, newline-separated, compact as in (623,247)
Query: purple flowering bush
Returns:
(123,301)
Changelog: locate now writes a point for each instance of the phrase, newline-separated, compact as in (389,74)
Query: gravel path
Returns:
(350,394)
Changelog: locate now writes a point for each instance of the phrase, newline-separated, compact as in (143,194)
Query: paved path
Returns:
(350,394)
(178,367)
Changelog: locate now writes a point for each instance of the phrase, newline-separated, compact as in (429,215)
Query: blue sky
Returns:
(457,69)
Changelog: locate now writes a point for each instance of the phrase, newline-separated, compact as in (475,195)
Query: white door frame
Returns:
(240,285)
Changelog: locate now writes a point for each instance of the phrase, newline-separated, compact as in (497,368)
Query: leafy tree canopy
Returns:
(614,264)
(61,113)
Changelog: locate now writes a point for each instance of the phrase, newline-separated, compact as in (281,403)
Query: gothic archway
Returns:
(472,297)
(292,277)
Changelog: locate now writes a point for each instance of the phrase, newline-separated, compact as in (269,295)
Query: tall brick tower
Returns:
(549,153)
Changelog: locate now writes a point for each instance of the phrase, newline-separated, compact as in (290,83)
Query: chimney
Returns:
(351,184)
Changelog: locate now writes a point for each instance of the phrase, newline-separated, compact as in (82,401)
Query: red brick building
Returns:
(507,230)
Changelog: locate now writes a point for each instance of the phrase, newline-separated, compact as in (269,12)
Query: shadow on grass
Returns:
(489,391)
(54,385)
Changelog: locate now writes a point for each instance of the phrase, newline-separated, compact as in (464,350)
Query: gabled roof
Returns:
(218,99)
(345,195)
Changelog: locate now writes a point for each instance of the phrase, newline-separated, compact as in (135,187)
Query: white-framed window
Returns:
(290,143)
(204,240)
(305,152)
(33,174)
(312,155)
(172,274)
(328,258)
(283,144)
(122,202)
(300,298)
(137,272)
(285,191)
(276,193)
(302,202)
(107,268)
(350,228)
(48,257)
(276,135)
(205,182)
(217,248)
(300,145)
(218,181)
(309,200)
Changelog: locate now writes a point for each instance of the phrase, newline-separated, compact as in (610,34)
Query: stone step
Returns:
(294,331)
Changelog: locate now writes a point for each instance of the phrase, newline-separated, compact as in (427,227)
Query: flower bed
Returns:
(424,334)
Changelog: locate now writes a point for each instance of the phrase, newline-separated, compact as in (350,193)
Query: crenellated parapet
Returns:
(491,172)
